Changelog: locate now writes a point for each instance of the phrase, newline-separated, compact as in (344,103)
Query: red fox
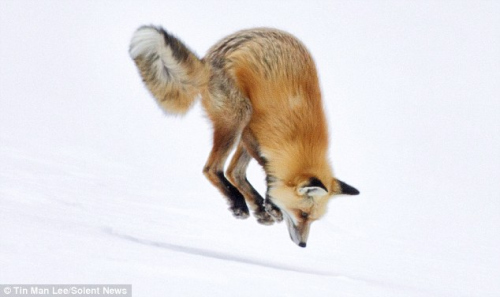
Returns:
(260,90)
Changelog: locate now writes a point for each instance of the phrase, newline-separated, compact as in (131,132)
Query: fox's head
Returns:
(304,201)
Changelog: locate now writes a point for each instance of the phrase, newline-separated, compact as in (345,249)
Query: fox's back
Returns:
(260,60)
(275,71)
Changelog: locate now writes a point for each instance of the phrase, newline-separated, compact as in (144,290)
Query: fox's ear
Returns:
(313,187)
(347,189)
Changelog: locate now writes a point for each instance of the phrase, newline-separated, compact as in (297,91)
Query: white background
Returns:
(98,186)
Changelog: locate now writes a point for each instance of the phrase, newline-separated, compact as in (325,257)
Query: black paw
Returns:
(263,217)
(273,210)
(240,211)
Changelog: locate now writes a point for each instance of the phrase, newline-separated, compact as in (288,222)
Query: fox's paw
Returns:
(263,217)
(273,210)
(240,211)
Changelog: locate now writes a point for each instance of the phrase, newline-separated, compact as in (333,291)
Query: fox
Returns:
(260,90)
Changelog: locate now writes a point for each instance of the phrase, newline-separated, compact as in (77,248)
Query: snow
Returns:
(97,185)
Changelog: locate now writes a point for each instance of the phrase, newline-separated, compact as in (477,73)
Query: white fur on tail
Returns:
(148,41)
(172,73)
(145,41)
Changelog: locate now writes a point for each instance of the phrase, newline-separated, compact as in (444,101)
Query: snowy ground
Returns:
(98,186)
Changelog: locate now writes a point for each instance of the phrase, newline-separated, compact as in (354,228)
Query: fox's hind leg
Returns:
(236,173)
(229,112)
(252,147)
(224,140)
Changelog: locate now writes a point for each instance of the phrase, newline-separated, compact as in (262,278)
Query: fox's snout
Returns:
(299,232)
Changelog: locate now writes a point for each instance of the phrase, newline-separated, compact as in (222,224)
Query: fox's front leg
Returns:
(273,210)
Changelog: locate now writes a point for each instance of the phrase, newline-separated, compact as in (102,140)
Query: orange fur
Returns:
(260,88)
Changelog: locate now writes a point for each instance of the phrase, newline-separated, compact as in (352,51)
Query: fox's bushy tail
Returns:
(174,75)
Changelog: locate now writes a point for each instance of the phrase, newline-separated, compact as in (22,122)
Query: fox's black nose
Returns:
(302,244)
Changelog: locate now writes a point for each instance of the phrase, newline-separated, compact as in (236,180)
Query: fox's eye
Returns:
(304,214)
